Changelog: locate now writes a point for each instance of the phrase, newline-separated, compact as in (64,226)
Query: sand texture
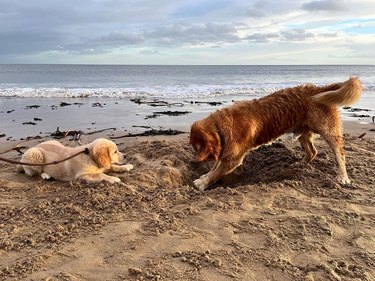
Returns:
(280,220)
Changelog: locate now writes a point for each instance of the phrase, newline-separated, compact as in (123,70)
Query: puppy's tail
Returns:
(347,94)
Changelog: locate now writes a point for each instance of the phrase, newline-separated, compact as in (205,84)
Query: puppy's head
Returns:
(205,142)
(105,153)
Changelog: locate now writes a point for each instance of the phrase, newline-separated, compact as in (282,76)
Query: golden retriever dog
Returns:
(228,134)
(103,156)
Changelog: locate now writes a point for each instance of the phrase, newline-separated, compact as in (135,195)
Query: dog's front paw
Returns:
(343,180)
(201,184)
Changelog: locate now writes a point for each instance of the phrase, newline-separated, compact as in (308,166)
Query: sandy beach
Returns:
(271,219)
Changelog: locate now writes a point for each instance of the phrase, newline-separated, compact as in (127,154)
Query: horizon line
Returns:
(104,64)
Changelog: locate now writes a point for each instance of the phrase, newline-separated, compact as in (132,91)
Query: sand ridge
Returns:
(279,220)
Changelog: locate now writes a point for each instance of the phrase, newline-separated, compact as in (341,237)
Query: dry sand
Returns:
(279,220)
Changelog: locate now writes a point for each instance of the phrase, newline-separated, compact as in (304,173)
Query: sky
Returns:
(187,32)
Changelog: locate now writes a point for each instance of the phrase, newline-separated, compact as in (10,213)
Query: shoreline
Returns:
(30,117)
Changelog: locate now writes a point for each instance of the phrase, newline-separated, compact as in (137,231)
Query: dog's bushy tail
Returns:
(347,94)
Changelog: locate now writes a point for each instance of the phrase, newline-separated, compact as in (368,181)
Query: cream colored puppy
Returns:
(103,157)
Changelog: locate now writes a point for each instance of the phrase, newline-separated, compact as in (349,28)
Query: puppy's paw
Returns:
(113,179)
(127,168)
(45,176)
(201,184)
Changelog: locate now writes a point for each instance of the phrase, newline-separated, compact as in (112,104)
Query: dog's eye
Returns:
(116,151)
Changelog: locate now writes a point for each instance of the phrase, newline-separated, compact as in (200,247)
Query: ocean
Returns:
(168,81)
(47,85)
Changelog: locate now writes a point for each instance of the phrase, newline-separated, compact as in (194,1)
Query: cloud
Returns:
(266,8)
(254,13)
(261,37)
(104,43)
(289,35)
(296,35)
(174,35)
(325,5)
(95,30)
(117,37)
(193,34)
(13,43)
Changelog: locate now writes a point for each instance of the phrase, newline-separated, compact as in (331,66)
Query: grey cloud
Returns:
(258,9)
(104,43)
(28,42)
(264,8)
(37,26)
(325,5)
(195,34)
(120,38)
(254,13)
(330,34)
(262,37)
(167,36)
(293,35)
(296,35)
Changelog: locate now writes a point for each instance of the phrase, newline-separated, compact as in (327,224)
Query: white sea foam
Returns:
(193,91)
(156,92)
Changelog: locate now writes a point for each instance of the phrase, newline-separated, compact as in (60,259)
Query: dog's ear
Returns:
(206,144)
(210,149)
(101,156)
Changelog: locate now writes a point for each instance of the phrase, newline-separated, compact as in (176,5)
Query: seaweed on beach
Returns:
(359,115)
(152,132)
(169,113)
(155,102)
(355,109)
(212,103)
(29,123)
(63,134)
(97,104)
(32,106)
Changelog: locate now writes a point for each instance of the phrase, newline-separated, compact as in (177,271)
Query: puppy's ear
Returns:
(101,156)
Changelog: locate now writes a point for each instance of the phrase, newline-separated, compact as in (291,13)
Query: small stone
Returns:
(135,271)
(218,262)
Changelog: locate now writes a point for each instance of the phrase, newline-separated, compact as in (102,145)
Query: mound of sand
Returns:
(279,220)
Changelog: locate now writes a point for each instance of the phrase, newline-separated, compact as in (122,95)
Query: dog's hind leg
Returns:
(98,178)
(337,145)
(306,140)
(327,123)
